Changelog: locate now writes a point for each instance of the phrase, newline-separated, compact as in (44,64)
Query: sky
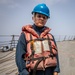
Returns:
(16,13)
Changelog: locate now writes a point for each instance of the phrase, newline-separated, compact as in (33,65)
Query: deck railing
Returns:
(8,42)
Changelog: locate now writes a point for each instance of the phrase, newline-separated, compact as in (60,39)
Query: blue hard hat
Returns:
(42,9)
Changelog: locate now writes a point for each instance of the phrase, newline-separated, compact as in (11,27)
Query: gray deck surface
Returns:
(66,51)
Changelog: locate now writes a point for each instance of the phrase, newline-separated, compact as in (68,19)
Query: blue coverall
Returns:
(21,50)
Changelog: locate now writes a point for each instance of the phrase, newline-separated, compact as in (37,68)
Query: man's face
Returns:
(39,19)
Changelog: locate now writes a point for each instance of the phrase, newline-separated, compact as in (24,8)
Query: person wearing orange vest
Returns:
(36,51)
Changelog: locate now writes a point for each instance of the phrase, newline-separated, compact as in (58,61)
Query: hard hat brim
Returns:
(40,12)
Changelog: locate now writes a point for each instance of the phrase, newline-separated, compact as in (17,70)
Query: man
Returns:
(36,44)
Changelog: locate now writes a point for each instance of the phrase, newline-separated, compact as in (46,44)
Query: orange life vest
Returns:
(39,46)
